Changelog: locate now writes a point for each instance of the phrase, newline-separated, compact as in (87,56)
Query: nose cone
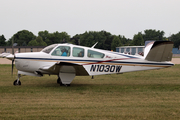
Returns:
(10,57)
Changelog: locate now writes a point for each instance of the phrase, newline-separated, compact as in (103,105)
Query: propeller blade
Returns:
(12,66)
(13,54)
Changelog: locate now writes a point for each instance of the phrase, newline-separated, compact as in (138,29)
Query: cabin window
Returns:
(94,54)
(62,51)
(78,52)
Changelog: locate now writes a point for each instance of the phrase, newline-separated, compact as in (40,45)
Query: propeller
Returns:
(12,54)
(12,65)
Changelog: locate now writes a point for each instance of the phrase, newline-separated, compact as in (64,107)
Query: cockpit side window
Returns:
(94,54)
(62,51)
(78,52)
(49,48)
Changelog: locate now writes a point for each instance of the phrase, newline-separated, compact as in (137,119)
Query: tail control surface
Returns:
(158,51)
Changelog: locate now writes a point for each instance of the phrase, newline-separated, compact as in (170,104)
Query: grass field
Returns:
(145,95)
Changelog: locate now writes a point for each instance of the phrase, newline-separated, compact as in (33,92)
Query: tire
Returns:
(15,83)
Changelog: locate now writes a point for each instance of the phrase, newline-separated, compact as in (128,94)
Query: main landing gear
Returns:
(17,82)
(60,82)
(64,82)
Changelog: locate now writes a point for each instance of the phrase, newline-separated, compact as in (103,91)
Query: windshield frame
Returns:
(48,49)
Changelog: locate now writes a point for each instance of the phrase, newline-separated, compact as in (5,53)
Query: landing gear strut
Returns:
(58,80)
(17,82)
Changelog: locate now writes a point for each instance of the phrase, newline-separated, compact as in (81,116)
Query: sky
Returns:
(119,17)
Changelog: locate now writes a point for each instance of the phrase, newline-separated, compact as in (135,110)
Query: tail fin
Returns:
(158,51)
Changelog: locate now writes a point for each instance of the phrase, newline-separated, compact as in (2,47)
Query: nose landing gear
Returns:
(17,82)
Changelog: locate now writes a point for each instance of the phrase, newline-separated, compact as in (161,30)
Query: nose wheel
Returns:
(17,82)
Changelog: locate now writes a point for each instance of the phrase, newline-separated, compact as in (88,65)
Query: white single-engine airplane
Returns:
(68,60)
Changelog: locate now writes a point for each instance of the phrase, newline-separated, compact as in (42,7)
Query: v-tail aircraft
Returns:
(68,60)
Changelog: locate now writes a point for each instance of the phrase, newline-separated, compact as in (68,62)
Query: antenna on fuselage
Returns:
(94,45)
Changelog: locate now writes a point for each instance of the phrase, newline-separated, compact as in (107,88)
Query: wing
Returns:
(65,67)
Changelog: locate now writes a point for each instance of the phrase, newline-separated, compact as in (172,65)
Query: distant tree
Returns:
(56,37)
(176,39)
(104,39)
(40,41)
(75,39)
(88,39)
(9,42)
(108,40)
(45,37)
(2,41)
(138,40)
(153,35)
(33,43)
(100,38)
(115,43)
(22,38)
(37,42)
(125,41)
(62,37)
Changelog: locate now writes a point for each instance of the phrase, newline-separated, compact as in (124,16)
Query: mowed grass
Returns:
(145,95)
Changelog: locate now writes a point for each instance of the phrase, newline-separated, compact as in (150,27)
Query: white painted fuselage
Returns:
(102,62)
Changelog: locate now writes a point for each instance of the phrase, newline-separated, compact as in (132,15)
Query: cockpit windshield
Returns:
(49,48)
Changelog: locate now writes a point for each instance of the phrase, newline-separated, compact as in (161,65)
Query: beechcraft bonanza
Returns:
(68,60)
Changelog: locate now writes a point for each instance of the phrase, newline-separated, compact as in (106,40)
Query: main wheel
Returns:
(16,82)
(60,83)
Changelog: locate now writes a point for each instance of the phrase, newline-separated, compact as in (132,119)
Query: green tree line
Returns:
(105,39)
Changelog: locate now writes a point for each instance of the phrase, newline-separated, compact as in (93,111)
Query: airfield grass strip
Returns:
(153,94)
